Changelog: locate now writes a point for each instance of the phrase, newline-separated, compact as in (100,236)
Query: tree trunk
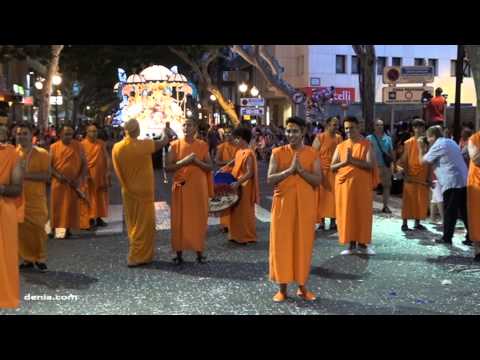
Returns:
(44,109)
(366,63)
(205,80)
(473,54)
(226,105)
(458,93)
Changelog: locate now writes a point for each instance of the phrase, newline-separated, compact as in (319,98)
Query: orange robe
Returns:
(9,274)
(242,216)
(190,191)
(132,161)
(294,209)
(415,196)
(31,232)
(354,195)
(96,187)
(326,190)
(473,194)
(227,152)
(65,203)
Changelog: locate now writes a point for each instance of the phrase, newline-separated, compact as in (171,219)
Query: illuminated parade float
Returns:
(154,97)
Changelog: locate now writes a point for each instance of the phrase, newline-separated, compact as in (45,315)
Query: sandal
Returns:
(178,260)
(280,297)
(306,295)
(201,259)
(26,265)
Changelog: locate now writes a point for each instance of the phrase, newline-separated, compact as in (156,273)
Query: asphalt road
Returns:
(89,275)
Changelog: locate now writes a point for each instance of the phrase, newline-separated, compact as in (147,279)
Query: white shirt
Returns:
(448,163)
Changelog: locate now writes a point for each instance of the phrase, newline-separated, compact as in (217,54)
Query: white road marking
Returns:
(162,219)
(262,214)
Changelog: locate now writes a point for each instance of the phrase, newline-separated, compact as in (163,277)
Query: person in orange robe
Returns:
(295,171)
(354,180)
(98,180)
(189,160)
(225,155)
(10,188)
(132,161)
(326,143)
(31,232)
(242,216)
(473,193)
(416,186)
(69,169)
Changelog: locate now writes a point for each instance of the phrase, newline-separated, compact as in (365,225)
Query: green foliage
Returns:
(40,53)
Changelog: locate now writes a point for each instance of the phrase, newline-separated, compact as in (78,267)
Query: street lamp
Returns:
(254,91)
(189,113)
(56,80)
(38,85)
(243,88)
(199,106)
(213,98)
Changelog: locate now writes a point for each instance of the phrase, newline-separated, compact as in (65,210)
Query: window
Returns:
(355,64)
(340,64)
(453,68)
(381,63)
(419,62)
(434,63)
(300,65)
(396,61)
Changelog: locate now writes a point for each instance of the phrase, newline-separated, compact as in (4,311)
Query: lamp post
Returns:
(213,99)
(56,81)
(242,88)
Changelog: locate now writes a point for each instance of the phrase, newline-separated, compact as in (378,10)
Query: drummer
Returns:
(226,151)
(225,155)
(242,216)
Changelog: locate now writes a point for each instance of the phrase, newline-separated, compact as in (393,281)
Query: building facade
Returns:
(322,66)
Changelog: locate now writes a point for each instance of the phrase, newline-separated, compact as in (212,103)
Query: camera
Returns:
(426,96)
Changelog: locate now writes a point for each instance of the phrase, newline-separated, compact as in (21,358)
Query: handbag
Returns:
(387,159)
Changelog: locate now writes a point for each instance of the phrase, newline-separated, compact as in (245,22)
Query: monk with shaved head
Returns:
(69,169)
(132,161)
(98,180)
(189,160)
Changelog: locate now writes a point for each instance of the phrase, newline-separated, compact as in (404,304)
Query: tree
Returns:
(201,60)
(95,69)
(366,66)
(44,108)
(473,55)
(37,52)
(267,65)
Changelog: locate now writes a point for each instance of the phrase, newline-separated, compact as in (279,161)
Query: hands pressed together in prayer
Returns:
(296,167)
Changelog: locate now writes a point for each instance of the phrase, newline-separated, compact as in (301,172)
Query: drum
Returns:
(224,196)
